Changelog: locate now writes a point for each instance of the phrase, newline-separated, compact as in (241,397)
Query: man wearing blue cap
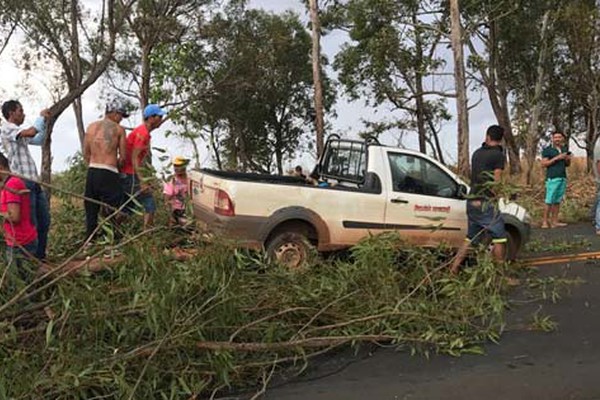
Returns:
(135,171)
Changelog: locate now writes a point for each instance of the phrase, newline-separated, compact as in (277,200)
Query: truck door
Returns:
(423,202)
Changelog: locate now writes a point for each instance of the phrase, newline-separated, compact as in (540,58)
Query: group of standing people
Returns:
(118,178)
(119,169)
(118,164)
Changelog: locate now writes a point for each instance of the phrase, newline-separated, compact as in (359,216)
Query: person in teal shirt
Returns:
(555,158)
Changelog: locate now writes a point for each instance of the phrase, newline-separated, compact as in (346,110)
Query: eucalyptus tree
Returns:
(578,71)
(246,78)
(462,111)
(316,68)
(393,60)
(149,25)
(80,41)
(507,40)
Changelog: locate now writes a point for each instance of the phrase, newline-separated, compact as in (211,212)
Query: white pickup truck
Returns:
(366,189)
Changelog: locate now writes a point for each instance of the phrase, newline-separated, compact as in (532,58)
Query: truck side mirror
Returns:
(462,191)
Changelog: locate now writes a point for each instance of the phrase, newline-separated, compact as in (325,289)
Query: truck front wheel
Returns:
(513,245)
(291,249)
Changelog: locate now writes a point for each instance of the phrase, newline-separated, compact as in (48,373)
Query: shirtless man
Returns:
(103,151)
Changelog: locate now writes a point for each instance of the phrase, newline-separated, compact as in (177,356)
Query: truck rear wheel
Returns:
(291,249)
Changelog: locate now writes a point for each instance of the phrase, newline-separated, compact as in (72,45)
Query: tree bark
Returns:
(46,173)
(78,111)
(533,136)
(215,148)
(278,151)
(436,140)
(316,67)
(462,111)
(76,70)
(419,99)
(145,83)
(592,132)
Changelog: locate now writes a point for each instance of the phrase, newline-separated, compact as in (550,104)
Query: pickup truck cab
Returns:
(364,188)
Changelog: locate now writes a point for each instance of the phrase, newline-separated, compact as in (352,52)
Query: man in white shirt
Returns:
(16,141)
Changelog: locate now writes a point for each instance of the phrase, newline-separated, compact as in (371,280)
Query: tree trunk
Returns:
(514,159)
(436,139)
(461,89)
(592,132)
(419,99)
(215,148)
(316,67)
(533,136)
(278,151)
(78,110)
(46,172)
(498,95)
(145,84)
(76,70)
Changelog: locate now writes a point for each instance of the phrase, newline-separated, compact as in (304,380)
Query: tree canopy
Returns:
(240,81)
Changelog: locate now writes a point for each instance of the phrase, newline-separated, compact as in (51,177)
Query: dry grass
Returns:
(581,192)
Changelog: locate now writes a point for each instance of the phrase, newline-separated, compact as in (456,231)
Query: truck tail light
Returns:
(223,204)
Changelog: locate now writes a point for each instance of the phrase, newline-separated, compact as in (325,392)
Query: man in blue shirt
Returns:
(555,158)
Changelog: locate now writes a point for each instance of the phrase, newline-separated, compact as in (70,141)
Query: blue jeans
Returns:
(40,216)
(15,256)
(131,186)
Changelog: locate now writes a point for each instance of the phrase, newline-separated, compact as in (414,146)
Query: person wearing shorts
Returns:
(555,159)
(133,176)
(484,217)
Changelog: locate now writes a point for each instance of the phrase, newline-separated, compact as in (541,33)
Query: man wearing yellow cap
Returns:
(176,191)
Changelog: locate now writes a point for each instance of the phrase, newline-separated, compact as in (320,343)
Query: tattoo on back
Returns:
(109,132)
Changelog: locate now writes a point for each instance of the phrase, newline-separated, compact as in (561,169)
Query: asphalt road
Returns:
(526,364)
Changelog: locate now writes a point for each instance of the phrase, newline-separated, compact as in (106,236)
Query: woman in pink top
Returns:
(176,191)
(15,208)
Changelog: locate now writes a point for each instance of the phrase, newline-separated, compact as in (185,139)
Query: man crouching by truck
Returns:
(483,214)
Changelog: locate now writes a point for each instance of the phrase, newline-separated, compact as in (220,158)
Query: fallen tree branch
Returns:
(302,343)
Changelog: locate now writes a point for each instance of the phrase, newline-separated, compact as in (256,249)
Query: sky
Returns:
(65,142)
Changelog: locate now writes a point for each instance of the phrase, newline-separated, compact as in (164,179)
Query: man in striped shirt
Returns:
(16,140)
